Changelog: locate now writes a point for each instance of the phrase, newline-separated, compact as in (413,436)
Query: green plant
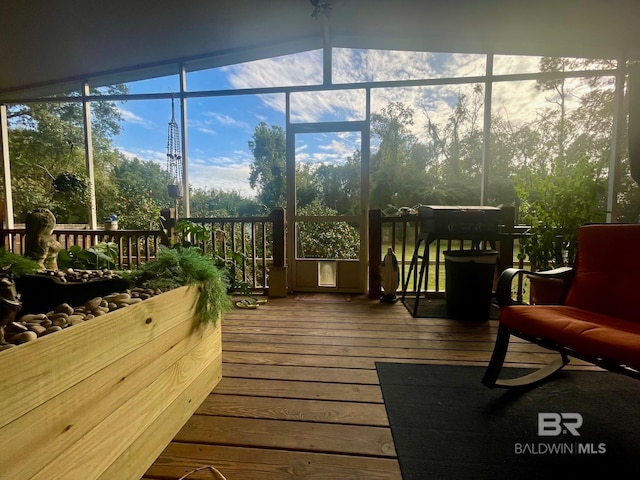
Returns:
(326,239)
(17,265)
(175,267)
(101,255)
(230,262)
(555,206)
(232,266)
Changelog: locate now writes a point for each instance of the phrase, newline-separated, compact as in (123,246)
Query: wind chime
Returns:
(174,158)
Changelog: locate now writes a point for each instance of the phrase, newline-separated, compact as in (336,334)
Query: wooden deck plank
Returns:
(298,389)
(288,435)
(327,411)
(257,341)
(240,463)
(300,398)
(285,372)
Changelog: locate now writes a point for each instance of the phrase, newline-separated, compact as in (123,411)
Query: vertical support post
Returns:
(365,169)
(279,241)
(326,52)
(486,133)
(168,220)
(616,140)
(375,253)
(88,148)
(291,194)
(185,150)
(6,170)
(278,271)
(505,245)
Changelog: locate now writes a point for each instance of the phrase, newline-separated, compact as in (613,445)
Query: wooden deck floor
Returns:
(300,399)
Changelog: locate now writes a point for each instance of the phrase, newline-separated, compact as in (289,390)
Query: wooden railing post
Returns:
(3,234)
(375,253)
(278,270)
(505,245)
(168,220)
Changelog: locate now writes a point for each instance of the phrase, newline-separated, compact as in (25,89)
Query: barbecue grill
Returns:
(437,222)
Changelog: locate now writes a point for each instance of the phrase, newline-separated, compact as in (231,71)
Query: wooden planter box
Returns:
(102,399)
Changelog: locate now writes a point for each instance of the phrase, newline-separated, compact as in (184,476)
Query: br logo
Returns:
(552,424)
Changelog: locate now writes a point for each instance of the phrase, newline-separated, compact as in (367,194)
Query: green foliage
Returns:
(17,265)
(326,239)
(218,203)
(268,171)
(46,142)
(555,206)
(142,193)
(229,262)
(175,267)
(67,182)
(102,255)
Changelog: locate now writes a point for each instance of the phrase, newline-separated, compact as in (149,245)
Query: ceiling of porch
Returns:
(46,42)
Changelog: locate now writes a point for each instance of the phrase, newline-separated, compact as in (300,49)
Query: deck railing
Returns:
(400,233)
(249,245)
(134,246)
(254,245)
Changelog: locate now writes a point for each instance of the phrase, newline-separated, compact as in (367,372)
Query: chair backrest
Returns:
(607,271)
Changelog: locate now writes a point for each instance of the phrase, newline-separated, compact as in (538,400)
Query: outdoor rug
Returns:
(437,308)
(447,425)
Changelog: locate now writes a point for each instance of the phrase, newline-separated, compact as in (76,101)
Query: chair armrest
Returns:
(505,281)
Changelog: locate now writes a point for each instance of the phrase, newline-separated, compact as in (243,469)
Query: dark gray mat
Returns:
(437,308)
(446,425)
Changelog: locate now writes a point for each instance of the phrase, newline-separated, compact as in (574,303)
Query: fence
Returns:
(252,246)
(248,246)
(400,233)
(134,246)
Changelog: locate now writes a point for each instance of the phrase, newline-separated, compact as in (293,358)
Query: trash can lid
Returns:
(478,256)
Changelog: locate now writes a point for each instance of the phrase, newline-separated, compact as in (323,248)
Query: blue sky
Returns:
(219,128)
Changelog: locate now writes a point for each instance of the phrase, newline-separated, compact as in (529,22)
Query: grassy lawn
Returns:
(436,269)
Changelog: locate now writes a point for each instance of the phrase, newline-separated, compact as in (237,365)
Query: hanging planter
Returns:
(174,158)
(174,191)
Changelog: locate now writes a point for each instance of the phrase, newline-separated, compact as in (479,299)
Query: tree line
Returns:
(561,155)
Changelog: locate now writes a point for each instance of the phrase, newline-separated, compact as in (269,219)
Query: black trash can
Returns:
(469,283)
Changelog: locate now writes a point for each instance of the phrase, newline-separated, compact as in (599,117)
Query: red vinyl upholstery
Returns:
(601,312)
(600,317)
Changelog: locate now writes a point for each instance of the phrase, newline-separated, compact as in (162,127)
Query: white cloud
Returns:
(129,117)
(288,70)
(144,154)
(224,173)
(228,177)
(226,120)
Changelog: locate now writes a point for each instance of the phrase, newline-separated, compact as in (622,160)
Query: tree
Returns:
(397,170)
(218,203)
(326,239)
(142,193)
(268,171)
(339,185)
(46,141)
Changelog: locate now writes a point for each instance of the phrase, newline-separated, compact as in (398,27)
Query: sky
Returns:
(219,128)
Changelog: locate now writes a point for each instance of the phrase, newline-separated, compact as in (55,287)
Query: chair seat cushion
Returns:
(587,333)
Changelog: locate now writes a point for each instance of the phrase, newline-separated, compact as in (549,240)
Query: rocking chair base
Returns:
(496,363)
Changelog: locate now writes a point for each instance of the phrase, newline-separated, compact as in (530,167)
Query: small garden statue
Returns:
(9,302)
(39,242)
(390,274)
